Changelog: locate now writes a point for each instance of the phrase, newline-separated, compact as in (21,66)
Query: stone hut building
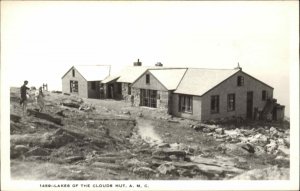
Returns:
(155,87)
(204,94)
(122,83)
(84,80)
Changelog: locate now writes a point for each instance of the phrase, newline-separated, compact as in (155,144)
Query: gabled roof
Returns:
(170,78)
(92,72)
(109,79)
(197,81)
(131,73)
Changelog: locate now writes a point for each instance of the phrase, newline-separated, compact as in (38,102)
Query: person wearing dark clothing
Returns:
(23,100)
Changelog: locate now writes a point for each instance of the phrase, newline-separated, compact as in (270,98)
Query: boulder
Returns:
(207,130)
(173,157)
(134,163)
(248,147)
(271,173)
(143,171)
(280,141)
(74,103)
(15,118)
(219,131)
(107,165)
(282,150)
(37,151)
(234,134)
(271,147)
(166,153)
(18,150)
(259,150)
(280,134)
(273,132)
(258,139)
(166,168)
(239,149)
(246,132)
(287,141)
(261,130)
(127,113)
(61,113)
(59,139)
(198,127)
(86,107)
(45,116)
(282,158)
(163,145)
(73,159)
(190,139)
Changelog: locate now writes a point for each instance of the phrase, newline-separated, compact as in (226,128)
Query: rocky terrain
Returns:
(88,139)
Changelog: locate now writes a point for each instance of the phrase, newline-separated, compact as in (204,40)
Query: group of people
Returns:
(39,97)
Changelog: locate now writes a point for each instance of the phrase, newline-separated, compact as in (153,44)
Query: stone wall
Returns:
(125,94)
(136,93)
(163,100)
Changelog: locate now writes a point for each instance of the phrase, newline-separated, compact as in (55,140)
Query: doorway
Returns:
(250,105)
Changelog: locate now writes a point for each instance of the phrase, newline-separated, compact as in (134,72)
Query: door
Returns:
(110,91)
(250,105)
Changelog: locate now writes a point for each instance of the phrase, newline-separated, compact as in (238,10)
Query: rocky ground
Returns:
(89,139)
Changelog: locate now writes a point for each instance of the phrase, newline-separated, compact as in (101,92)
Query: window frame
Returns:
(231,104)
(73,72)
(264,95)
(240,81)
(214,102)
(185,104)
(75,82)
(147,78)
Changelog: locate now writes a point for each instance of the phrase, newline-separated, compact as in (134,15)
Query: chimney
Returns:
(138,63)
(238,67)
(158,64)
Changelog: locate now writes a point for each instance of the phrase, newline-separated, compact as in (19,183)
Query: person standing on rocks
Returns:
(24,96)
(40,99)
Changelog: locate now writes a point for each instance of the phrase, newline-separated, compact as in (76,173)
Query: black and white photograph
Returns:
(143,95)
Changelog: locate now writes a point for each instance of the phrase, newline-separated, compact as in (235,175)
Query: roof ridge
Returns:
(93,65)
(213,68)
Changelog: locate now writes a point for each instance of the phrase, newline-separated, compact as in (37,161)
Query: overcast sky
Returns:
(40,41)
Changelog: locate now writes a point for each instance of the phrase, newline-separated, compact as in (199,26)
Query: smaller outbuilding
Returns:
(84,80)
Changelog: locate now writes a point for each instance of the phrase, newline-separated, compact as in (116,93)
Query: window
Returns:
(240,80)
(185,103)
(93,85)
(214,104)
(230,102)
(73,86)
(148,98)
(264,95)
(73,73)
(147,79)
(129,89)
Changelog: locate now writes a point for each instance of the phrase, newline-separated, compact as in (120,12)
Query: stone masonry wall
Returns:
(125,94)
